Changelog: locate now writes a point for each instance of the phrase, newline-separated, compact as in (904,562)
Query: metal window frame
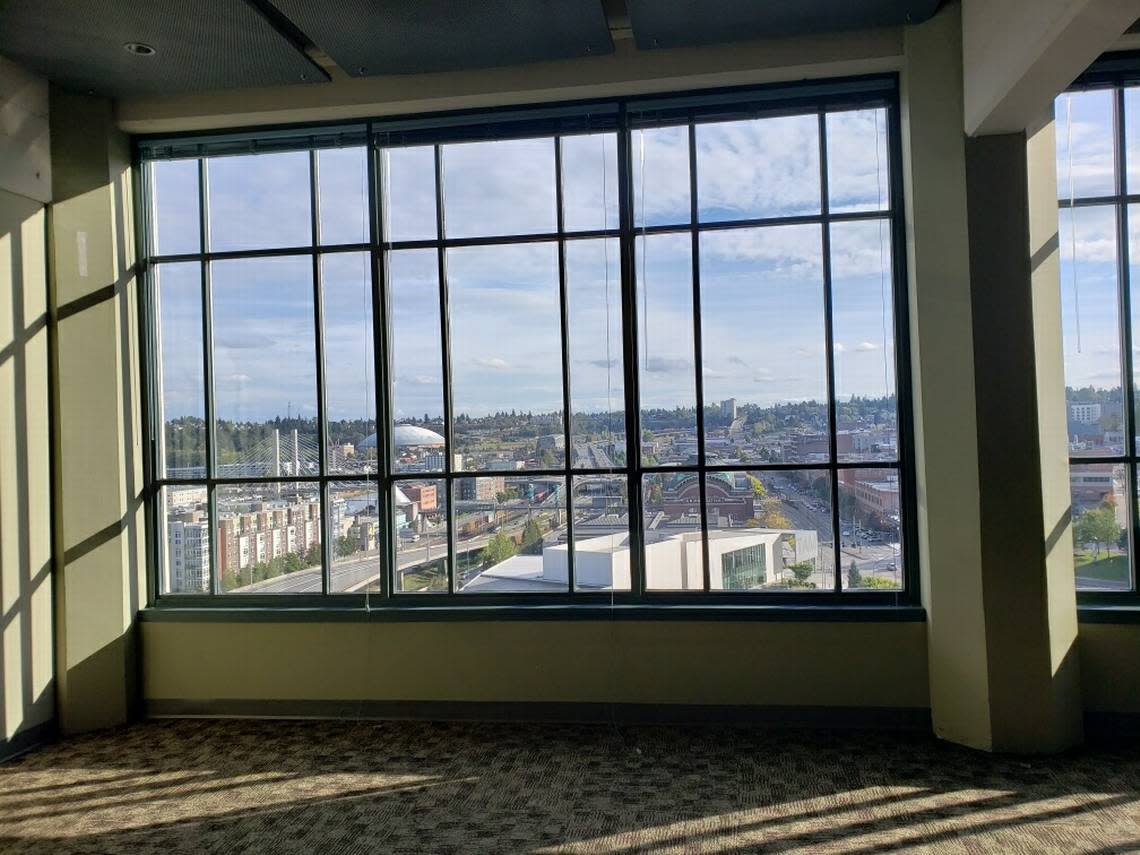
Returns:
(622,116)
(1115,73)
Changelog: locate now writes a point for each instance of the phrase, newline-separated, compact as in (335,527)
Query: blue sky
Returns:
(761,289)
(1087,236)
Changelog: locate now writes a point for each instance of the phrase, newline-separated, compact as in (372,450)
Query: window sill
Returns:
(1109,614)
(823,613)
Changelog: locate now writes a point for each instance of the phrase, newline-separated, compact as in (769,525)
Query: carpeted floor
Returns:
(175,787)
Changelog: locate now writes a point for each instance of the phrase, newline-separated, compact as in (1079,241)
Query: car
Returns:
(409,535)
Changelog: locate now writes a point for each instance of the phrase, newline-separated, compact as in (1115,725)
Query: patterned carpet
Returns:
(243,786)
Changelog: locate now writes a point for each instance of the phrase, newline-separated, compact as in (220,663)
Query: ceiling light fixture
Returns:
(139,49)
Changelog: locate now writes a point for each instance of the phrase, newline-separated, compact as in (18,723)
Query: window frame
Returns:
(623,116)
(1116,72)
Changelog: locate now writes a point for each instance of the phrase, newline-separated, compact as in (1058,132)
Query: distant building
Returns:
(484,489)
(188,541)
(423,495)
(739,560)
(1085,414)
(728,495)
(728,409)
(878,497)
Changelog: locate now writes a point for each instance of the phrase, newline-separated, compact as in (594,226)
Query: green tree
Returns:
(771,516)
(1097,526)
(532,538)
(854,577)
(498,549)
(802,570)
(345,546)
(758,488)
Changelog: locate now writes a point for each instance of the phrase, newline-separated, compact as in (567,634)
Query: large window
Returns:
(621,352)
(1098,185)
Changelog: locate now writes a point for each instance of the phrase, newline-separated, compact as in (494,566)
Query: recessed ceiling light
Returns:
(139,49)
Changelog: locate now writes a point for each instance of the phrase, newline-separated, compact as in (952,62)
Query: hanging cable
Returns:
(882,259)
(1073,218)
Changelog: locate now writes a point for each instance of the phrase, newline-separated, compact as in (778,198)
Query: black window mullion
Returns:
(627,249)
(698,360)
(382,369)
(325,526)
(208,368)
(829,350)
(904,414)
(445,344)
(564,315)
(1123,277)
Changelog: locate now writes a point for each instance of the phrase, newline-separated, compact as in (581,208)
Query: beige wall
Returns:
(26,670)
(1110,667)
(99,582)
(26,698)
(668,662)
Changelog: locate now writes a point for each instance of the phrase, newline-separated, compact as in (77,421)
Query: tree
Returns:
(758,488)
(1097,526)
(532,538)
(854,577)
(771,516)
(345,546)
(498,549)
(802,570)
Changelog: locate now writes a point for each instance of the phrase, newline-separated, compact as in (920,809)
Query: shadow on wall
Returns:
(180,786)
(26,691)
(100,500)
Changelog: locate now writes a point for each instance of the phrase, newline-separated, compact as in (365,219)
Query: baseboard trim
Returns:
(864,718)
(25,740)
(1112,725)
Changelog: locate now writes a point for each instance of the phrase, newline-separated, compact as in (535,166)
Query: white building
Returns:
(189,550)
(739,559)
(1085,414)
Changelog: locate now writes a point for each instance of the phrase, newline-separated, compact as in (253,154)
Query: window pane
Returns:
(765,371)
(354,525)
(863,322)
(503,187)
(601,534)
(661,176)
(181,373)
(269,538)
(597,380)
(1091,322)
(184,551)
(409,174)
(342,174)
(174,200)
(758,168)
(520,526)
(1085,144)
(350,387)
(260,201)
(416,357)
(265,367)
(420,529)
(770,531)
(858,165)
(506,356)
(665,350)
(589,182)
(870,554)
(671,527)
(1100,526)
